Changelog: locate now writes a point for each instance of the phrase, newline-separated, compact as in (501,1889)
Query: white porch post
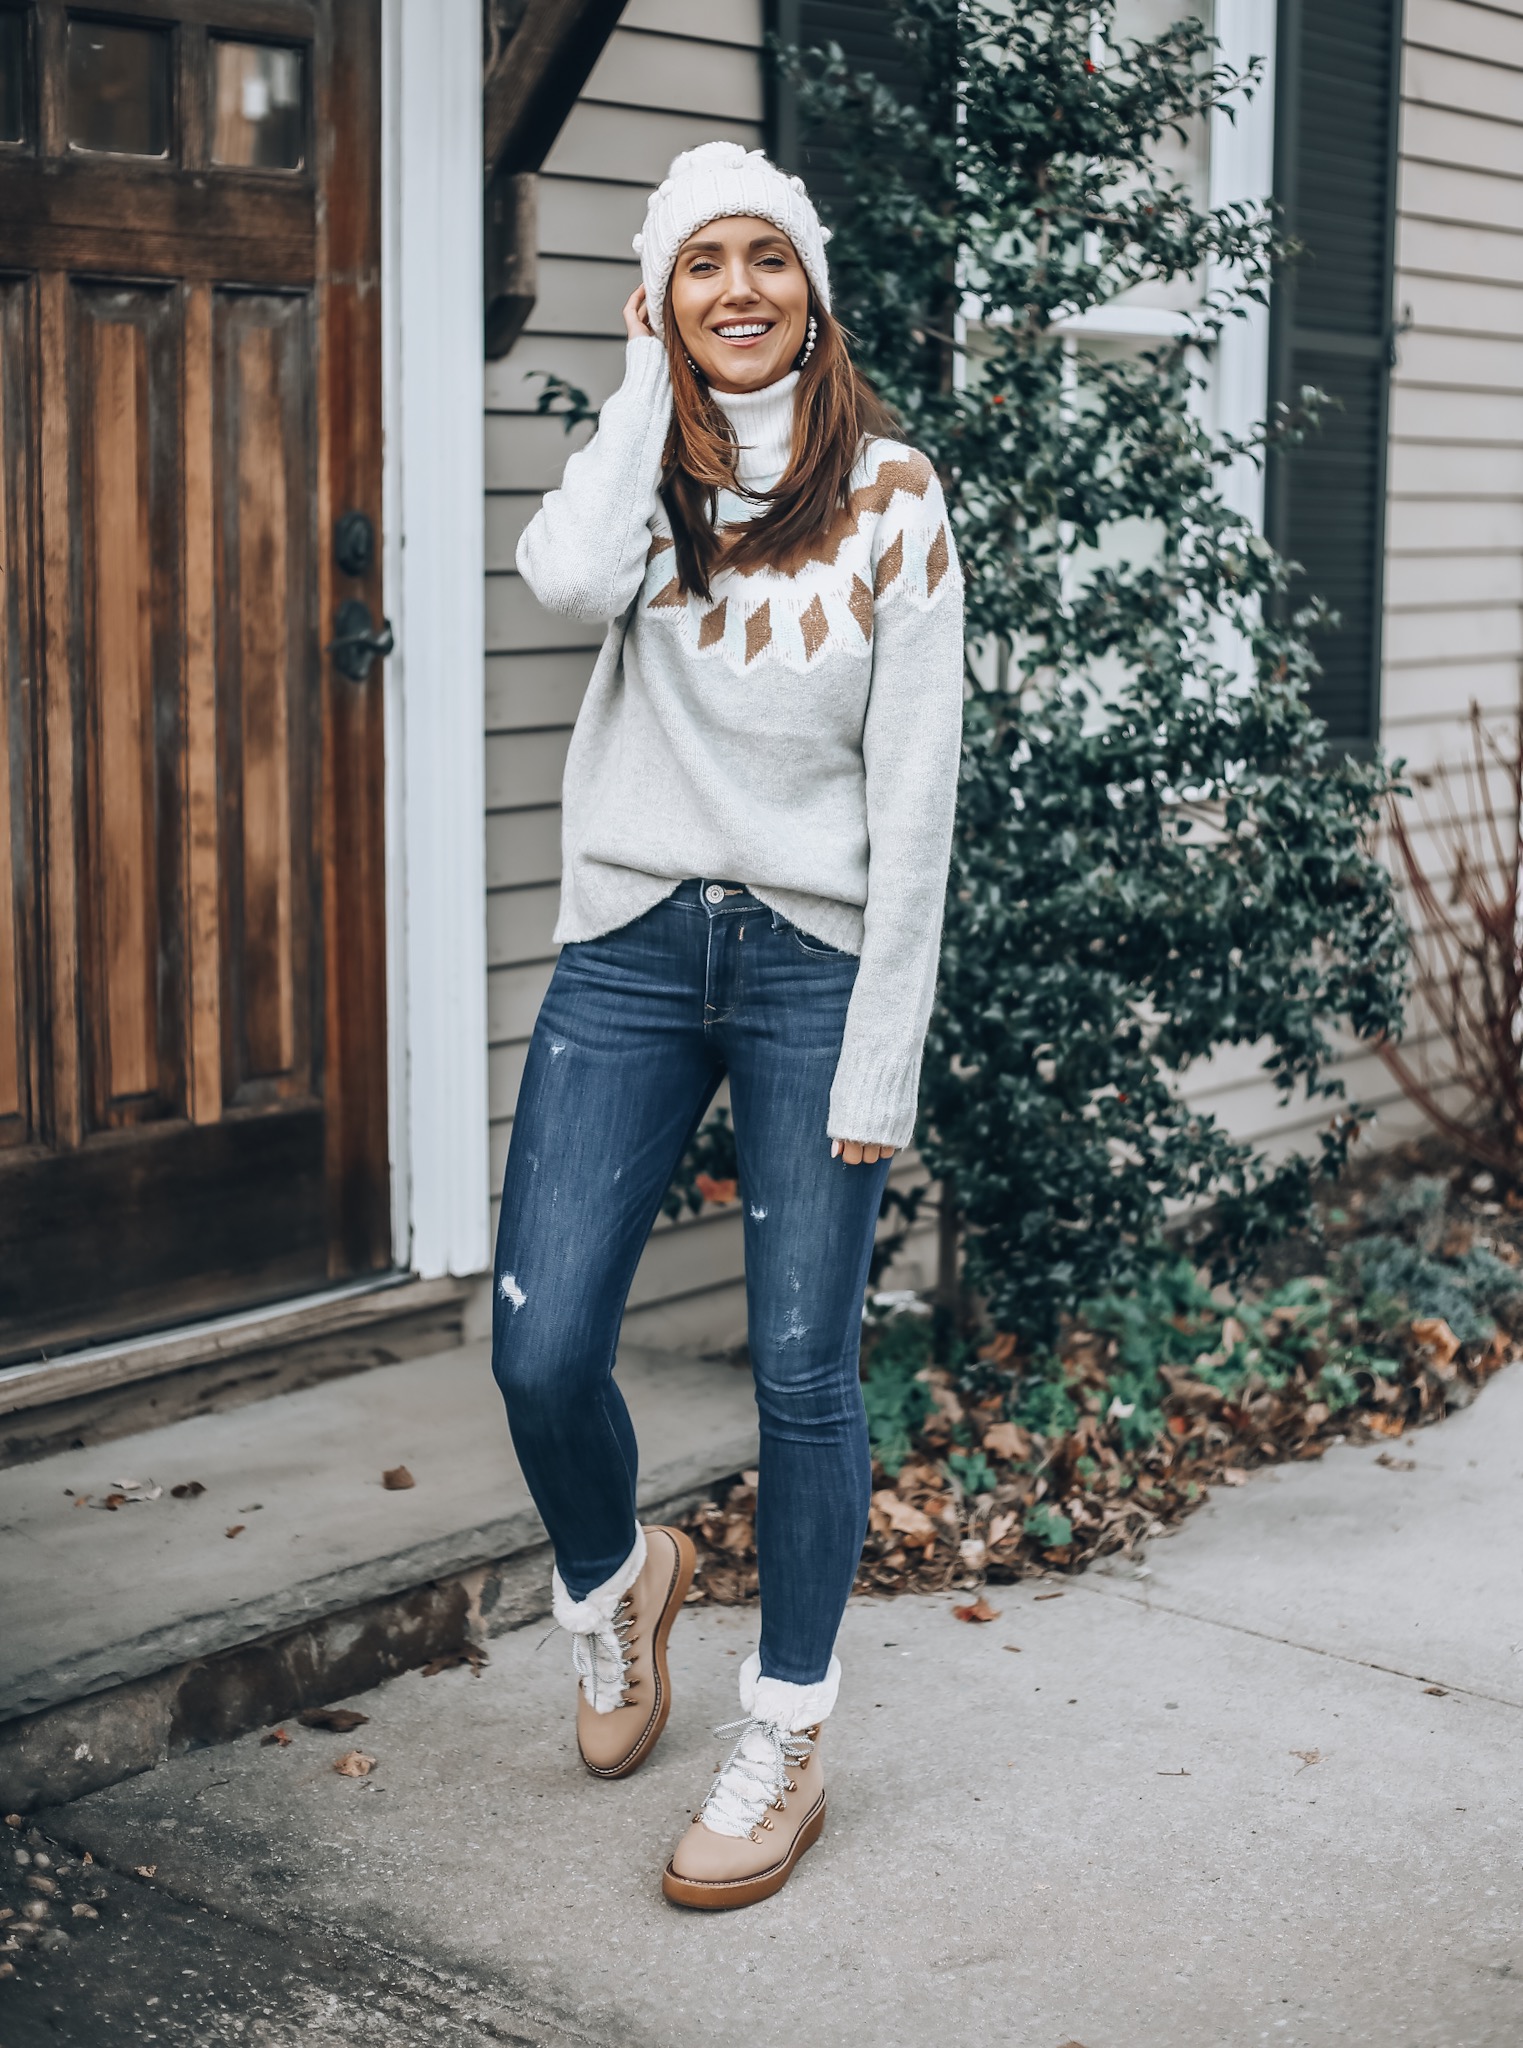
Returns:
(434,568)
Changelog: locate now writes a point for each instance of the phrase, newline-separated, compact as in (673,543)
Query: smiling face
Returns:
(740,299)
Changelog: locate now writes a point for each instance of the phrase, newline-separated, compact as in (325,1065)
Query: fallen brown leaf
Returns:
(1386,1425)
(82,1500)
(1396,1464)
(237,1528)
(145,1869)
(14,1820)
(1232,1477)
(7,1969)
(340,1719)
(902,1516)
(1438,1692)
(188,1489)
(1048,1596)
(275,1735)
(398,1479)
(83,1912)
(1012,1646)
(977,1610)
(1308,1758)
(355,1764)
(468,1653)
(1006,1440)
(113,1501)
(1436,1338)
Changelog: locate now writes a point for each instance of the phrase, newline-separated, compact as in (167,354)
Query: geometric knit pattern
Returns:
(889,545)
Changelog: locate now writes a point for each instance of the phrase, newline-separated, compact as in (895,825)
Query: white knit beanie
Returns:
(714,182)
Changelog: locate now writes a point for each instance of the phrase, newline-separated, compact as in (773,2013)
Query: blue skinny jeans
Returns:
(634,1036)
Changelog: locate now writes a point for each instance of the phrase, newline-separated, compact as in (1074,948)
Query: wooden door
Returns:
(192,995)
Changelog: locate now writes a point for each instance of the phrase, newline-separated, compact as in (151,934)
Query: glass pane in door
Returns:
(13,76)
(118,88)
(259,117)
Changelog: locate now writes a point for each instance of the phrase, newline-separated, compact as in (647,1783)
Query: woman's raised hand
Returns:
(859,1155)
(636,325)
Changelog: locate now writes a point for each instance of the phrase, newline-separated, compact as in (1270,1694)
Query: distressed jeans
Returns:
(634,1036)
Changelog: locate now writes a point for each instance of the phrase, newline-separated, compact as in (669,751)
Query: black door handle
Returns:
(356,642)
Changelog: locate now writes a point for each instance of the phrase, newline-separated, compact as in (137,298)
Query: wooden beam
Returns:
(535,76)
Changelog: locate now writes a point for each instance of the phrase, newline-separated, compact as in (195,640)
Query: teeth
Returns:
(744,332)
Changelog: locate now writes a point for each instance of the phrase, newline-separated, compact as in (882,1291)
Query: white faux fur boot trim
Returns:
(783,1705)
(596,1611)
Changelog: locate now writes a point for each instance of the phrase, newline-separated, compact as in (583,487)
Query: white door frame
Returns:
(434,567)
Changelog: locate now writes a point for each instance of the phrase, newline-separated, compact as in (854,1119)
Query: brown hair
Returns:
(834,408)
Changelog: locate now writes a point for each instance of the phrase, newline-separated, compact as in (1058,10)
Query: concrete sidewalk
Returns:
(1266,1792)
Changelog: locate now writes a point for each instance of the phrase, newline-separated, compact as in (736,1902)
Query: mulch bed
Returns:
(928,1533)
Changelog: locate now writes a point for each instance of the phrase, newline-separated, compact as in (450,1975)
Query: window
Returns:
(258,106)
(15,77)
(118,89)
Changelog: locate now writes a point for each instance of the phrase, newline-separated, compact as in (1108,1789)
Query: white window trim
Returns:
(434,569)
(1242,168)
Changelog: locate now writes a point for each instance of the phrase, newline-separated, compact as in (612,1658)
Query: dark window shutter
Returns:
(1337,100)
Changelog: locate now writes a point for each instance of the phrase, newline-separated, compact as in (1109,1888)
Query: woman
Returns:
(757,822)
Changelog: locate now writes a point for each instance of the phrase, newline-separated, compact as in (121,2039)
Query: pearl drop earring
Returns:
(813,336)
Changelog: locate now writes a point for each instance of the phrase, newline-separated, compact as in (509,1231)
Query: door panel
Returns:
(267,698)
(192,960)
(126,429)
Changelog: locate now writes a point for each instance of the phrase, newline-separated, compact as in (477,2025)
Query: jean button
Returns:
(714,893)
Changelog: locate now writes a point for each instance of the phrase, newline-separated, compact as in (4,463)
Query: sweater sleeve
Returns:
(583,553)
(911,749)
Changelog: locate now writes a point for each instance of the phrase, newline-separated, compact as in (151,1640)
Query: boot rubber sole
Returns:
(714,1895)
(683,1567)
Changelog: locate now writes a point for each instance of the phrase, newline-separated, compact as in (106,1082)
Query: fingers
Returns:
(859,1155)
(636,322)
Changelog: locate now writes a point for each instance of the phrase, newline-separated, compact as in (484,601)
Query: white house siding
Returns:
(675,73)
(1454,562)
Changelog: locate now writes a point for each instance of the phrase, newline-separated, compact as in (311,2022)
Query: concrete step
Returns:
(134,1632)
(104,1391)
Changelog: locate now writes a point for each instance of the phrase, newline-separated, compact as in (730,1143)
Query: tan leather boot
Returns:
(765,1807)
(625,1694)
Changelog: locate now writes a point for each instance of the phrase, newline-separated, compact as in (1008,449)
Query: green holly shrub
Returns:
(1157,854)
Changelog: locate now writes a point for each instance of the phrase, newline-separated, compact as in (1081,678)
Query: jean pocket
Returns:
(816,948)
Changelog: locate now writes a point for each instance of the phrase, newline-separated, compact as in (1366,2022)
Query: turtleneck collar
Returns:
(762,422)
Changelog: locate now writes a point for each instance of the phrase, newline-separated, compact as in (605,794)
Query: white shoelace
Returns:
(601,1657)
(753,1777)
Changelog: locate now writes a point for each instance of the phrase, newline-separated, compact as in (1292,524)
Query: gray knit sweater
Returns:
(798,733)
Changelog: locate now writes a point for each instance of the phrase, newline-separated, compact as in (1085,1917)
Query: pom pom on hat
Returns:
(714,182)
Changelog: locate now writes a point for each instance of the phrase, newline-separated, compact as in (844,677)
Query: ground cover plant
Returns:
(1000,1461)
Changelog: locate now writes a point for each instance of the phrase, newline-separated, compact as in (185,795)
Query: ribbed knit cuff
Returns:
(873,1098)
(597,1608)
(787,1706)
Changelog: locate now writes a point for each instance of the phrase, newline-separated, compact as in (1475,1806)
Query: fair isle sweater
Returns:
(797,733)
